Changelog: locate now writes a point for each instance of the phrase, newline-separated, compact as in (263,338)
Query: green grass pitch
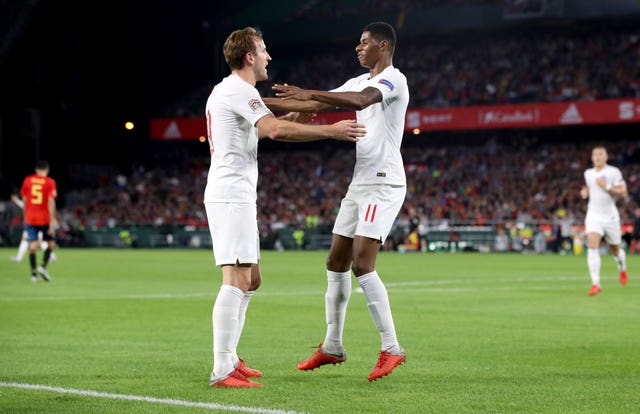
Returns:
(129,331)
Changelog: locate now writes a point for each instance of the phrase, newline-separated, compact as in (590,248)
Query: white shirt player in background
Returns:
(236,119)
(603,184)
(380,98)
(24,242)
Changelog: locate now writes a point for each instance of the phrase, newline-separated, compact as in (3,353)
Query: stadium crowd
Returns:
(583,62)
(491,183)
(539,66)
(514,177)
(334,8)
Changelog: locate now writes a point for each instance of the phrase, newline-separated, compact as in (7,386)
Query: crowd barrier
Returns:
(289,238)
(438,239)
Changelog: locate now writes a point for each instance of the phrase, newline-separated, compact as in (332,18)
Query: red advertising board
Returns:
(533,115)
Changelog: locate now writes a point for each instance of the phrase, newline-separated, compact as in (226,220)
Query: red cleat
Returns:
(387,362)
(595,289)
(247,371)
(623,277)
(233,380)
(319,358)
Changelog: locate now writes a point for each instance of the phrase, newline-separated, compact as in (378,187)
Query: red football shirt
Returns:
(36,191)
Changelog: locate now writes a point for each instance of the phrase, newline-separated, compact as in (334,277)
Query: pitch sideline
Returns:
(167,401)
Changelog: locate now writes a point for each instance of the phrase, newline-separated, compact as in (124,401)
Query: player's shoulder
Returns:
(395,76)
(395,73)
(232,85)
(232,92)
(359,78)
(393,79)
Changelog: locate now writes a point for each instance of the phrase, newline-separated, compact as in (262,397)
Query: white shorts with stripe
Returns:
(234,232)
(369,210)
(610,229)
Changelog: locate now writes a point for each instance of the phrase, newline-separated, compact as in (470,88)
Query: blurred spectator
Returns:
(494,181)
(562,231)
(578,242)
(540,241)
(584,61)
(635,235)
(501,243)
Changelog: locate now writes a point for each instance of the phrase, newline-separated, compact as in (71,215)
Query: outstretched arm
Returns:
(291,105)
(281,130)
(353,101)
(300,117)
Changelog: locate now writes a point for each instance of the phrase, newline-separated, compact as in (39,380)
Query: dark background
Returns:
(72,73)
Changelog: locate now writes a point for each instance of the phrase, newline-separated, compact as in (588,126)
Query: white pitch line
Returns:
(211,295)
(114,297)
(392,287)
(168,401)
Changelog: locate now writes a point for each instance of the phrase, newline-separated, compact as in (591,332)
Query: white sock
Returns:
(378,303)
(244,303)
(621,259)
(225,328)
(336,300)
(593,262)
(22,249)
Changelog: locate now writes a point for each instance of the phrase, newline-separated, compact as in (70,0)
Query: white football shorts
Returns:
(369,210)
(610,229)
(234,232)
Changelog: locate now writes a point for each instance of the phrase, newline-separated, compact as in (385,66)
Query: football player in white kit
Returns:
(603,184)
(380,98)
(236,118)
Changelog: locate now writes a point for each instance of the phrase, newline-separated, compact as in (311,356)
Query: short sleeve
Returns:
(249,105)
(345,87)
(389,84)
(617,177)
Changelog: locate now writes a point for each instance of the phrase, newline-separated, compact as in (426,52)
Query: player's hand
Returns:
(584,192)
(348,130)
(53,226)
(291,92)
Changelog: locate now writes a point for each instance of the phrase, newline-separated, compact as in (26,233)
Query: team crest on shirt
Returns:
(255,104)
(387,83)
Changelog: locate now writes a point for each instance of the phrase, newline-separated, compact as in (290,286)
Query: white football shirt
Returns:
(602,205)
(233,108)
(378,157)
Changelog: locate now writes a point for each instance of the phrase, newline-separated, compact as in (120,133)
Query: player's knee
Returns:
(255,283)
(362,267)
(336,264)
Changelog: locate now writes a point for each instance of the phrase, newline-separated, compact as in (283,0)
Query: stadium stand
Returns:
(579,63)
(513,178)
(464,186)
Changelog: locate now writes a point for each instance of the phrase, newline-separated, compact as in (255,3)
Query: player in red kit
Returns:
(39,195)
